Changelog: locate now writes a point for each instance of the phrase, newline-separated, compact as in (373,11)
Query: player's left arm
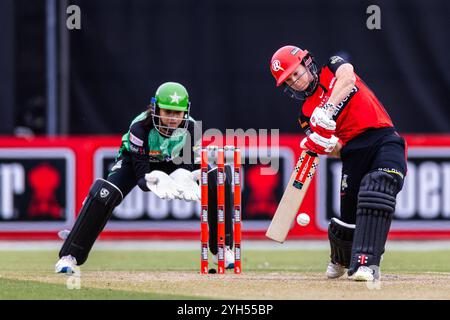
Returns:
(345,79)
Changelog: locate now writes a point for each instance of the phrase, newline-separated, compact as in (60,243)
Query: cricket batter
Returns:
(150,156)
(342,117)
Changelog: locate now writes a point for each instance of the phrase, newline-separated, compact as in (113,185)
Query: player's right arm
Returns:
(345,79)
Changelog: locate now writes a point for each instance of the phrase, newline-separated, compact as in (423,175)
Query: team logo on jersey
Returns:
(136,140)
(276,65)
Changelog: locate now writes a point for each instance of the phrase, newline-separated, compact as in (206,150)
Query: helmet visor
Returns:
(312,72)
(294,93)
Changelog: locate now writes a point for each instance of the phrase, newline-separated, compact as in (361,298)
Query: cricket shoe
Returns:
(365,274)
(229,258)
(66,264)
(335,270)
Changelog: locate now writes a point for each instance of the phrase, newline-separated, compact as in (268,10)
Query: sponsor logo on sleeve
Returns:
(335,59)
(135,140)
(339,107)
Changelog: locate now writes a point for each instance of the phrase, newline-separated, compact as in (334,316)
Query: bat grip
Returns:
(312,154)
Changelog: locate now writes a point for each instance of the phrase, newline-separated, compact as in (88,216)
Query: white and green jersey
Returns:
(146,145)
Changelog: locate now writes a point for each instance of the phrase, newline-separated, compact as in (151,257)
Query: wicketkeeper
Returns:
(151,156)
(373,154)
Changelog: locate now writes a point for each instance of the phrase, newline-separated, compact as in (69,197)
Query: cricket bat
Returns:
(293,196)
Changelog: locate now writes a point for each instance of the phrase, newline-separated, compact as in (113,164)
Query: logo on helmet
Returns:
(294,51)
(175,98)
(276,65)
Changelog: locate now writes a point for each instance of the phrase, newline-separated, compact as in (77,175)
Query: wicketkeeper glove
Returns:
(162,185)
(187,181)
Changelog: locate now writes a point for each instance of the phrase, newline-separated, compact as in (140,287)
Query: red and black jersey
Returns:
(358,112)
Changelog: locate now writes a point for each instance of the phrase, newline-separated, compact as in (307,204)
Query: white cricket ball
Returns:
(303,219)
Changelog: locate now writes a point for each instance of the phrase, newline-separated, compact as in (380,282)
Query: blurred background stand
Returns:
(7,66)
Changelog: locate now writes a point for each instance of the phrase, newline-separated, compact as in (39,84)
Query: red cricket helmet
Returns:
(285,61)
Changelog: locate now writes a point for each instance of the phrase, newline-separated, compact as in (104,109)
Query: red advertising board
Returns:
(43,182)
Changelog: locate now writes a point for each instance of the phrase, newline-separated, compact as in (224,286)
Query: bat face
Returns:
(293,196)
(305,169)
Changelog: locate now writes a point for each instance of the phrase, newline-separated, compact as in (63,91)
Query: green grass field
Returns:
(283,274)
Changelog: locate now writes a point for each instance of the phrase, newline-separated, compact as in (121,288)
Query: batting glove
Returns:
(321,123)
(318,144)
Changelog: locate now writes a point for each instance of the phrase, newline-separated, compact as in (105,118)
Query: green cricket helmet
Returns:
(170,96)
